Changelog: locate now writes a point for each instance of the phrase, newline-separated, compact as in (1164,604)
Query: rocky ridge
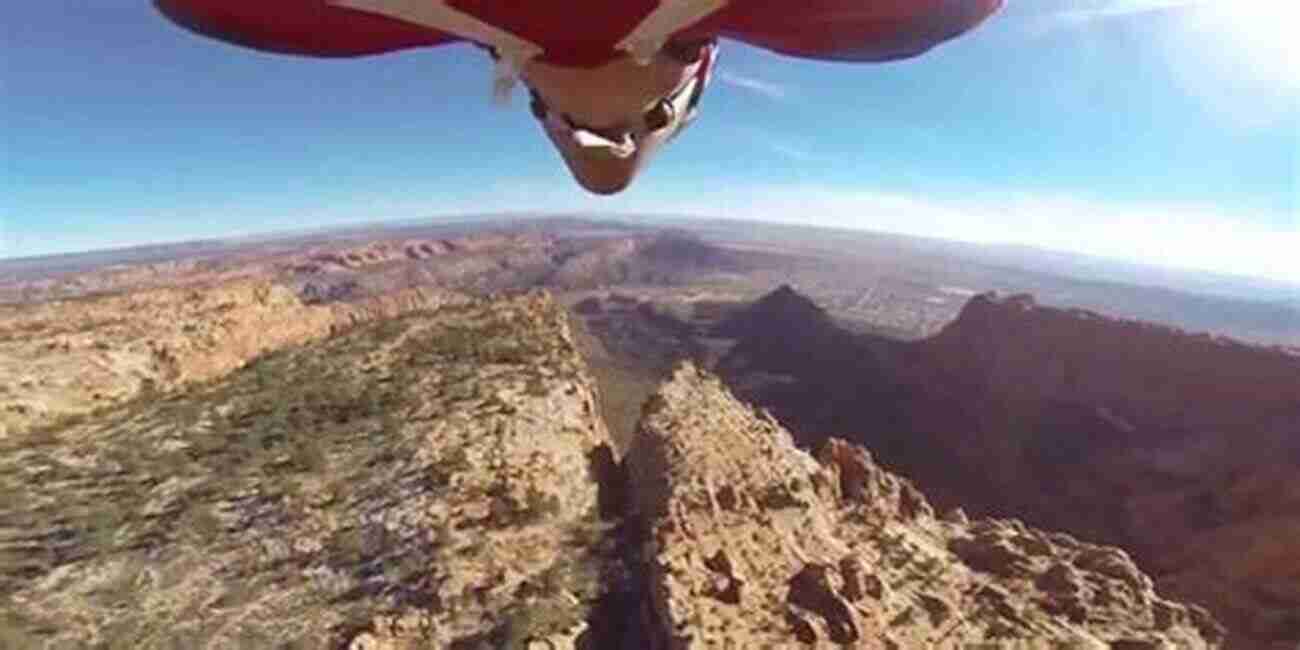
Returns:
(424,481)
(753,543)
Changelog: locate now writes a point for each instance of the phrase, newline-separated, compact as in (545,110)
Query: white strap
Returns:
(505,76)
(618,148)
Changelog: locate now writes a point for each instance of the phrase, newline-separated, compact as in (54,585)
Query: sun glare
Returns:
(1239,58)
(1262,36)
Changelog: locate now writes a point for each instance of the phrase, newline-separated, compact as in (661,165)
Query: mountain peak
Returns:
(780,313)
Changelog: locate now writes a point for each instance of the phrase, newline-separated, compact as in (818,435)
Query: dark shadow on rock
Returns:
(611,482)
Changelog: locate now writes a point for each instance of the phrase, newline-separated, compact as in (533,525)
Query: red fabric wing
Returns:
(580,33)
(846,30)
(585,32)
(306,27)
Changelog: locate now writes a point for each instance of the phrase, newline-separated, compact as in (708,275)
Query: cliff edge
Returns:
(752,543)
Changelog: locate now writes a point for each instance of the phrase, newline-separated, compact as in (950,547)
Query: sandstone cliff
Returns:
(752,543)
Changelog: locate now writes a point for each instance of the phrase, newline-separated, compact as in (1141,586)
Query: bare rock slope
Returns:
(420,482)
(752,543)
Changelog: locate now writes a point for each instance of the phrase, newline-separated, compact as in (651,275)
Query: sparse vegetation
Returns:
(272,476)
(565,594)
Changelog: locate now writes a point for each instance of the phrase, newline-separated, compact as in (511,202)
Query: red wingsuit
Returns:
(588,33)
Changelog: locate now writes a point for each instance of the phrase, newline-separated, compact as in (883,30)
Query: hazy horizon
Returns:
(1069,264)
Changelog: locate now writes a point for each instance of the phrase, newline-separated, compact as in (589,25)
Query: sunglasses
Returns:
(663,113)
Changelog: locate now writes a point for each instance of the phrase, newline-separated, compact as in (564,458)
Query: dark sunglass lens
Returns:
(685,51)
(660,116)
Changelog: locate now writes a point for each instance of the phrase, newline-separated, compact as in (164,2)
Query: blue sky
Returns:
(1160,131)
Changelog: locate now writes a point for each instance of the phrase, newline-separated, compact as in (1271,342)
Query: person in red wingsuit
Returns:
(610,81)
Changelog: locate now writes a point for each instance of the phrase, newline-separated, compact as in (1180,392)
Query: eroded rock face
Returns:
(72,357)
(753,543)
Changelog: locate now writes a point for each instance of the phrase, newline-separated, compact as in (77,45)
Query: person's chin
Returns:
(604,185)
(603,175)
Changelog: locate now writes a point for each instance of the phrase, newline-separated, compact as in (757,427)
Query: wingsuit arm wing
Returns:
(846,30)
(840,30)
(303,27)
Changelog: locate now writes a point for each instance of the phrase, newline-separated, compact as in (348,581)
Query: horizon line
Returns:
(272,235)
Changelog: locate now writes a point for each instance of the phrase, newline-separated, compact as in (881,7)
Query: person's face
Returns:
(608,104)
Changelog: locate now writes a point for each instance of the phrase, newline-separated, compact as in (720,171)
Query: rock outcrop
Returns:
(752,543)
(377,253)
(72,357)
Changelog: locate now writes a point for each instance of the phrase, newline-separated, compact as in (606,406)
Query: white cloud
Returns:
(769,89)
(1238,57)
(1080,14)
(785,145)
(1130,7)
(791,151)
(1171,235)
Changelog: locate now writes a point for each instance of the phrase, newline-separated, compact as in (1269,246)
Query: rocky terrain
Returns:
(84,341)
(424,481)
(72,357)
(442,477)
(752,543)
(556,253)
(1182,448)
